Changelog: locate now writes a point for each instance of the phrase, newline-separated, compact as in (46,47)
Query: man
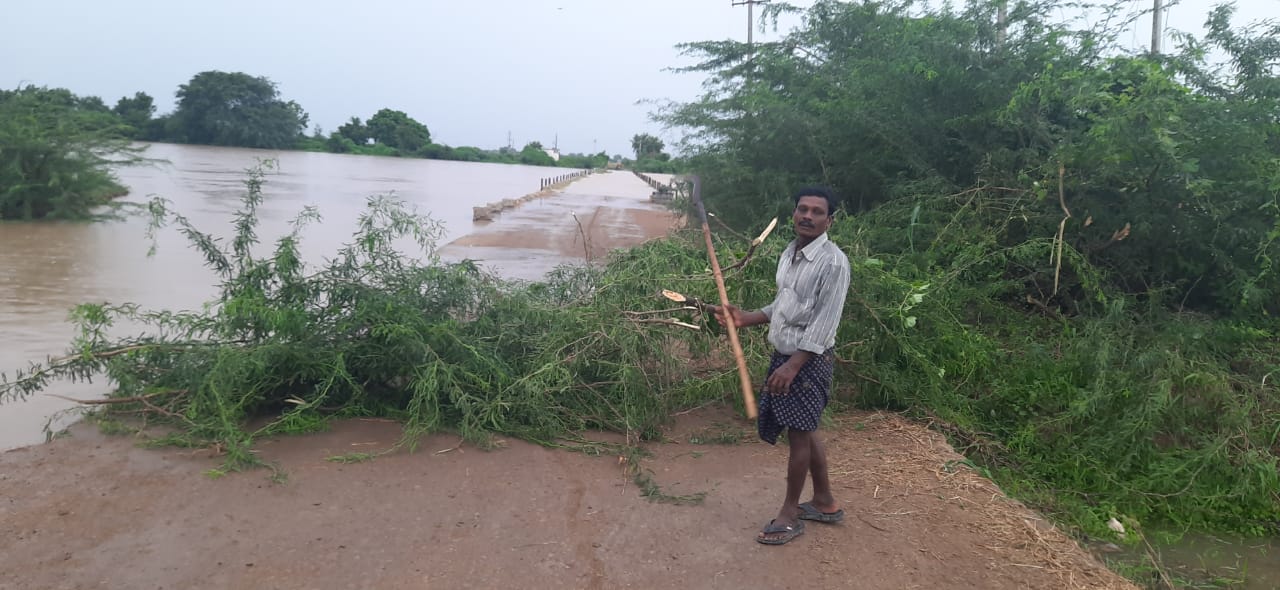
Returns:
(813,277)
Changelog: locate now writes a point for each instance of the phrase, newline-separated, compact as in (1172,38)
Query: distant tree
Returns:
(534,155)
(162,128)
(646,146)
(436,151)
(136,112)
(397,130)
(93,104)
(467,153)
(354,130)
(339,143)
(234,108)
(583,160)
(303,118)
(44,97)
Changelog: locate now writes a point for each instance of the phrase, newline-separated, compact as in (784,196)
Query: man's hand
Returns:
(741,319)
(779,382)
(725,314)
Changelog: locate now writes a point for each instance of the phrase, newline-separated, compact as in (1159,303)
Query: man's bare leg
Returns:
(798,466)
(823,499)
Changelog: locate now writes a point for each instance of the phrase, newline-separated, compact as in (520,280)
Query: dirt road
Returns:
(585,220)
(89,511)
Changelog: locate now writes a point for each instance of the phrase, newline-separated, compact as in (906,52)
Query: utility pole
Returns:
(751,18)
(1155,27)
(1002,22)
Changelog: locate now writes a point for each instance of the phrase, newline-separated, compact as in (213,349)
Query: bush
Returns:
(439,346)
(1064,256)
(55,155)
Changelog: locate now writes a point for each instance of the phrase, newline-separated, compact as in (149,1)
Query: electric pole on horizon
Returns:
(1155,26)
(1002,22)
(751,4)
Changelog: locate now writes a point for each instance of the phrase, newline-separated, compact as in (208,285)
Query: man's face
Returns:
(811,217)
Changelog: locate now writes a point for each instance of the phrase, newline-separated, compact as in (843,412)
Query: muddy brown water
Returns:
(46,269)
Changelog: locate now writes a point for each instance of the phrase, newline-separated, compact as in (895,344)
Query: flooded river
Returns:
(46,269)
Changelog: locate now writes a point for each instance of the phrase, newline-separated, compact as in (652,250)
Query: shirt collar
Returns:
(810,252)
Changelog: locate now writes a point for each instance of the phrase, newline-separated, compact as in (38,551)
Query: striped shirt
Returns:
(811,292)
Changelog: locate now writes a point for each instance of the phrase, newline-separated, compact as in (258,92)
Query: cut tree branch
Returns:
(120,400)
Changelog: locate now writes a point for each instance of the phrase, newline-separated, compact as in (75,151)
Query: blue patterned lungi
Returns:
(801,408)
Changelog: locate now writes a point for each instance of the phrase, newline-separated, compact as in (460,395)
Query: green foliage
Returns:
(136,112)
(467,154)
(1172,170)
(234,108)
(354,131)
(377,332)
(397,130)
(533,154)
(646,146)
(1125,368)
(1187,173)
(55,154)
(660,165)
(312,144)
(599,160)
(1132,410)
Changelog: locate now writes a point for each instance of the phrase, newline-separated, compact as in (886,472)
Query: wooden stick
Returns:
(748,397)
(1062,227)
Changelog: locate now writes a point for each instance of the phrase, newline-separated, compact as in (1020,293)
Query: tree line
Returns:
(237,109)
(57,148)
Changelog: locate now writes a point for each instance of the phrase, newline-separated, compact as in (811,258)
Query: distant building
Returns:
(553,152)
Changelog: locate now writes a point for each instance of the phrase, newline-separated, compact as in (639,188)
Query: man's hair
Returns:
(819,191)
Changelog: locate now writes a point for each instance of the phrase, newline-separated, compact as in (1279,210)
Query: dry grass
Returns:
(917,475)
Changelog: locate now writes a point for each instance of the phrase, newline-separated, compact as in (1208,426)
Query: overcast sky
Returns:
(471,70)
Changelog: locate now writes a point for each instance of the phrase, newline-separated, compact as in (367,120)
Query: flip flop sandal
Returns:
(810,512)
(771,529)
